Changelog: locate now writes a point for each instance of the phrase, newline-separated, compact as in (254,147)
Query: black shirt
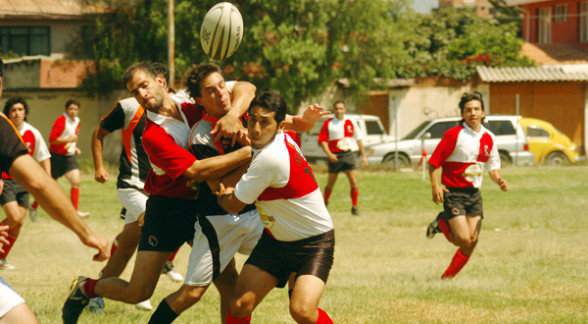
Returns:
(11,145)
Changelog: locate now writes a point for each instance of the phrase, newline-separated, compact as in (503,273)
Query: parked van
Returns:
(512,144)
(369,125)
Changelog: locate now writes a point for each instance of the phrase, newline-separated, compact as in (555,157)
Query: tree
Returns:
(296,48)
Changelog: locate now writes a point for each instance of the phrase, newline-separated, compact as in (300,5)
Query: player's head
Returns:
(16,109)
(161,71)
(72,108)
(266,117)
(471,106)
(207,86)
(146,85)
(339,109)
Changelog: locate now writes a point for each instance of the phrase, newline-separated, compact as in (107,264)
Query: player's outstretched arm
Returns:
(230,124)
(303,123)
(29,174)
(216,167)
(100,173)
(498,179)
(228,201)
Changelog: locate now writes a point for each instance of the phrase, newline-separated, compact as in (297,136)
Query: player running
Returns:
(298,236)
(14,199)
(462,153)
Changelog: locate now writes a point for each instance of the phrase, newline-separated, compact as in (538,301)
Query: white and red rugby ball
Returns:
(221,31)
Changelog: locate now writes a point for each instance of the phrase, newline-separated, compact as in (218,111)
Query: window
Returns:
(534,131)
(25,40)
(560,13)
(415,131)
(373,127)
(501,127)
(584,22)
(544,25)
(438,129)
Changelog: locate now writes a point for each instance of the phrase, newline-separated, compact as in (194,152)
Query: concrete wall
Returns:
(46,105)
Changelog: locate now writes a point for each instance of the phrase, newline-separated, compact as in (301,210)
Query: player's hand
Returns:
(224,190)
(312,114)
(1,186)
(243,137)
(98,243)
(101,175)
(332,158)
(503,184)
(78,151)
(228,126)
(364,161)
(438,194)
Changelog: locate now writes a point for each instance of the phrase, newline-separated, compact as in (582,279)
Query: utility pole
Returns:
(171,43)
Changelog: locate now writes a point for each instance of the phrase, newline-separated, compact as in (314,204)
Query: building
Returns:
(483,8)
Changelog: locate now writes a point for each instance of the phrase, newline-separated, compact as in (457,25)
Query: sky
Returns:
(424,6)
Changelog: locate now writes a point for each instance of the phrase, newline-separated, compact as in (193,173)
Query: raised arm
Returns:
(303,123)
(230,125)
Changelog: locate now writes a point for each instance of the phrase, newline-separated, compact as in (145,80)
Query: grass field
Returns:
(531,264)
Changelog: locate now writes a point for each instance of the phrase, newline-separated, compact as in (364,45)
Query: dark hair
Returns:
(469,96)
(198,73)
(146,67)
(160,69)
(272,102)
(1,68)
(13,101)
(338,102)
(72,102)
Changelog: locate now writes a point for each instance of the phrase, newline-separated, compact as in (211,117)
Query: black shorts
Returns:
(311,256)
(14,192)
(462,201)
(61,164)
(345,161)
(169,223)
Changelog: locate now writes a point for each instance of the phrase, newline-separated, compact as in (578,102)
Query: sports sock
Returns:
(230,319)
(459,260)
(354,193)
(74,193)
(444,226)
(327,195)
(7,247)
(35,205)
(173,256)
(163,314)
(88,288)
(323,318)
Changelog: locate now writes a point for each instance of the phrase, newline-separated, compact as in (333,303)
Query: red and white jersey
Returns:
(289,200)
(462,153)
(64,127)
(340,134)
(35,144)
(166,142)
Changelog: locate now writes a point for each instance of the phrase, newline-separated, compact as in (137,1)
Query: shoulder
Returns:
(129,105)
(453,132)
(200,132)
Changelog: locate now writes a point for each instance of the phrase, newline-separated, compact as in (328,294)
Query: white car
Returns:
(510,140)
(369,125)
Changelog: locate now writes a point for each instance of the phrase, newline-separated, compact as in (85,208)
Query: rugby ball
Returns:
(221,31)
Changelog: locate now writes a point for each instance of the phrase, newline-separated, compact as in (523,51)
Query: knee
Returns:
(183,300)
(465,242)
(242,308)
(303,313)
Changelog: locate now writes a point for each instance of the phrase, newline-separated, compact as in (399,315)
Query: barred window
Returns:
(25,40)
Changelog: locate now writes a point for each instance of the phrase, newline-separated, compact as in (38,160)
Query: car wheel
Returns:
(390,160)
(556,158)
(505,159)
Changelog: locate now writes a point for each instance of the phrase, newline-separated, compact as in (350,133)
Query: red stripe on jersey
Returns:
(127,134)
(293,135)
(486,144)
(301,180)
(56,131)
(453,175)
(348,128)
(445,147)
(324,133)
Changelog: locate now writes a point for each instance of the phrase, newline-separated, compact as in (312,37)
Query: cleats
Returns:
(354,211)
(5,265)
(433,228)
(144,305)
(33,214)
(168,270)
(75,302)
(82,214)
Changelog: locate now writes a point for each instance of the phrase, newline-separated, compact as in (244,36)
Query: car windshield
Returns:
(416,131)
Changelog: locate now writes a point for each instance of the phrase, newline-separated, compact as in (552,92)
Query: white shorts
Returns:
(8,298)
(134,202)
(216,240)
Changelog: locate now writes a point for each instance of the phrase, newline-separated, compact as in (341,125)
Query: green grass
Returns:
(531,263)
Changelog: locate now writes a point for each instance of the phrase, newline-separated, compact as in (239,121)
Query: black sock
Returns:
(163,314)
